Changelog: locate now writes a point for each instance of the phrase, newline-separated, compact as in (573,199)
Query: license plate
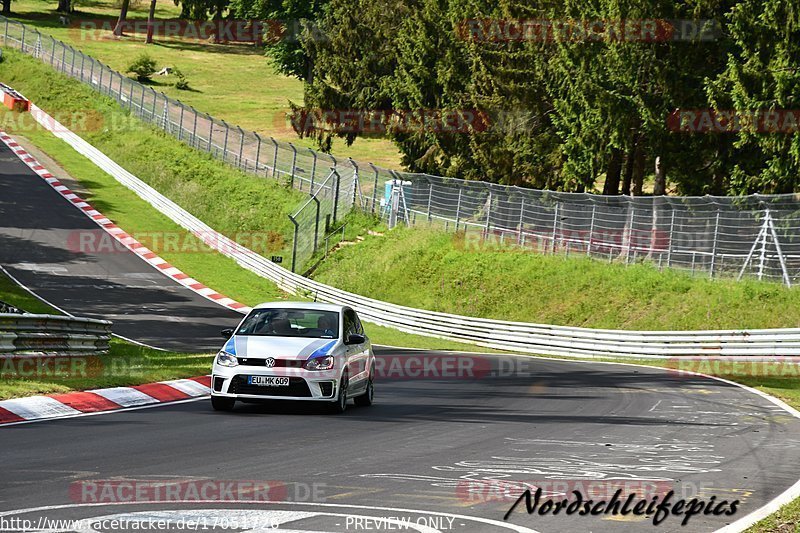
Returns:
(268,381)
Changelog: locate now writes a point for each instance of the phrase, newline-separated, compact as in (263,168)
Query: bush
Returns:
(143,66)
(182,84)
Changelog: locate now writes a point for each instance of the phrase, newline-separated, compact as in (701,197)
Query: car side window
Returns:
(349,323)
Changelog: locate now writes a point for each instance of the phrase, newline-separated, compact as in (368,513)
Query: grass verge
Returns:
(446,272)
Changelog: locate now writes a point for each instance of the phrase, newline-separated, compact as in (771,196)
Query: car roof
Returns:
(317,306)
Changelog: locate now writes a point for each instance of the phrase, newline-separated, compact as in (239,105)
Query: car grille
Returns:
(279,363)
(297,387)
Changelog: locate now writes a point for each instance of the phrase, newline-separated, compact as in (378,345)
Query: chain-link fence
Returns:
(754,236)
(738,236)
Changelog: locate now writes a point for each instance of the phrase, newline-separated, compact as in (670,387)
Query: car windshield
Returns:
(274,322)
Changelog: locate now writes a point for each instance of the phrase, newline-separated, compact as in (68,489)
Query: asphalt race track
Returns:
(40,236)
(449,445)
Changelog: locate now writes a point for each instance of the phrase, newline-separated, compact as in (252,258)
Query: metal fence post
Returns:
(52,52)
(630,238)
(180,121)
(374,187)
(356,185)
(316,221)
(488,214)
(763,253)
(241,145)
(294,167)
(591,231)
(313,169)
(83,62)
(194,127)
(336,192)
(274,158)
(555,228)
(225,141)
(669,247)
(22,41)
(141,102)
(714,246)
(91,71)
(210,132)
(521,235)
(430,201)
(258,150)
(458,209)
(294,241)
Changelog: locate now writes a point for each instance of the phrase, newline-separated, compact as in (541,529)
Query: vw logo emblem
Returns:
(269,362)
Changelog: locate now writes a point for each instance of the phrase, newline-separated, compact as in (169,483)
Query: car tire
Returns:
(340,405)
(366,399)
(221,403)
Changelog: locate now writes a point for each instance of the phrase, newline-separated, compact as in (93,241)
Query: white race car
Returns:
(295,351)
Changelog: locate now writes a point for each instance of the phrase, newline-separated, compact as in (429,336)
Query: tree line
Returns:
(614,96)
(617,96)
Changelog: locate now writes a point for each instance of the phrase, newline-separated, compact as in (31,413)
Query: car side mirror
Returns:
(355,338)
(226,333)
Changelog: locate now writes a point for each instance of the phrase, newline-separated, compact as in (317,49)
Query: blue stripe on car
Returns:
(322,350)
(230,346)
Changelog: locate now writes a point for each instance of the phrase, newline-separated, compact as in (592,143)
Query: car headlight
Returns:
(319,363)
(226,359)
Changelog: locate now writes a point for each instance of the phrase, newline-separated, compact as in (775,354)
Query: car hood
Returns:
(278,347)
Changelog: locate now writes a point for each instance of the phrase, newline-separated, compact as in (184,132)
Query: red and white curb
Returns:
(94,401)
(118,233)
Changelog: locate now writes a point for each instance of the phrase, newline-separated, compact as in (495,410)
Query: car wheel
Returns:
(365,400)
(220,403)
(341,401)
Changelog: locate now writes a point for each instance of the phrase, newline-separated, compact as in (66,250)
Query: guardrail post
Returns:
(313,169)
(241,145)
(274,158)
(714,246)
(294,167)
(294,241)
(258,150)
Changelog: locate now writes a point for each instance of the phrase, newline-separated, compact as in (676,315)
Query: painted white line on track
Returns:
(489,521)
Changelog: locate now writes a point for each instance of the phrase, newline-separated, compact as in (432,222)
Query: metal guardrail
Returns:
(517,336)
(52,334)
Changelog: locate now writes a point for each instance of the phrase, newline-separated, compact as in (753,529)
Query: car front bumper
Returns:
(304,385)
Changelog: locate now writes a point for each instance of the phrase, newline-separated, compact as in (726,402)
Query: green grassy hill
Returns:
(441,272)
